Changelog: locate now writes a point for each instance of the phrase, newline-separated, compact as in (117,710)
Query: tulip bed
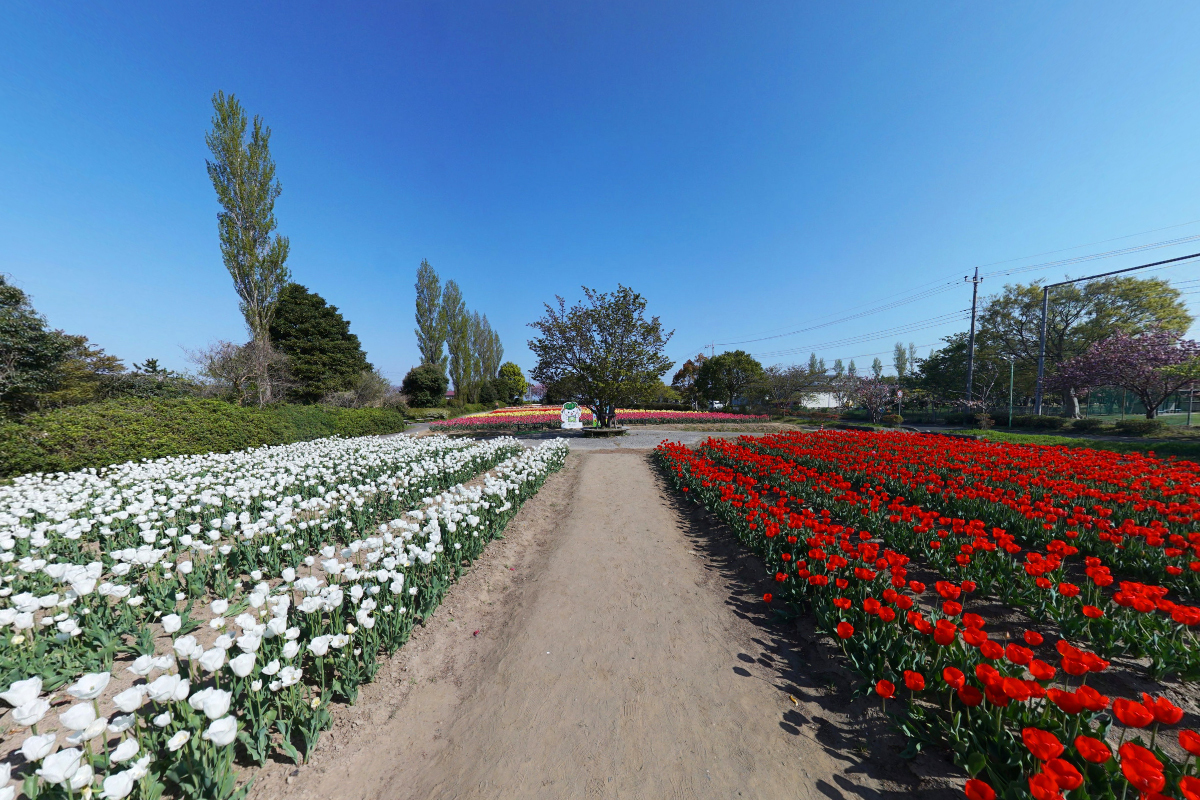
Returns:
(188,614)
(545,418)
(1019,714)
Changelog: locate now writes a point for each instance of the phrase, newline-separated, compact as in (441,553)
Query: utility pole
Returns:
(971,337)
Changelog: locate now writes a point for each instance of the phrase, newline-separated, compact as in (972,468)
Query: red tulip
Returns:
(768,597)
(1043,744)
(1067,701)
(1189,787)
(1164,711)
(885,689)
(845,630)
(1131,714)
(1141,768)
(1043,787)
(1033,638)
(1190,741)
(978,790)
(956,680)
(970,696)
(1091,612)
(1092,750)
(1064,774)
(915,681)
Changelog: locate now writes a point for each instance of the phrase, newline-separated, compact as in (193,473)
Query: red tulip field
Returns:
(1007,604)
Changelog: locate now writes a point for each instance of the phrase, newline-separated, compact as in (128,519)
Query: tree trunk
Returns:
(1070,404)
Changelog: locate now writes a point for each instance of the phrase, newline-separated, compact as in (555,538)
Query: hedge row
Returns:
(116,431)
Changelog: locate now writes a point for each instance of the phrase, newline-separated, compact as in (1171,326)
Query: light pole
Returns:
(1012,369)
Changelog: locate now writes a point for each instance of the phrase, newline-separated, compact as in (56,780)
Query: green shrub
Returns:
(116,431)
(1087,425)
(1139,427)
(893,420)
(1045,423)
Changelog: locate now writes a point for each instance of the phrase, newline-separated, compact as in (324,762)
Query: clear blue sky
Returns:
(749,167)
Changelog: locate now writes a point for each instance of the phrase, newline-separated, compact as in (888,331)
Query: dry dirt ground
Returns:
(612,645)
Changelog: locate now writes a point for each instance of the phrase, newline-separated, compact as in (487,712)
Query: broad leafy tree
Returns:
(511,382)
(1079,316)
(30,352)
(243,175)
(875,395)
(728,376)
(684,380)
(323,356)
(1152,366)
(602,352)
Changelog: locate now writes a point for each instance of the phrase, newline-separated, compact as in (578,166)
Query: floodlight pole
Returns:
(1012,370)
(1037,401)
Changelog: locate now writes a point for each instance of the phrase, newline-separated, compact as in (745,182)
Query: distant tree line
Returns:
(458,348)
(1124,332)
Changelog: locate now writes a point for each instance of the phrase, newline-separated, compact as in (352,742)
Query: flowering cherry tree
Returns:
(1153,366)
(875,395)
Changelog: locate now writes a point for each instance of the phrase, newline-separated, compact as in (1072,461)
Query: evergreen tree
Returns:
(323,356)
(30,352)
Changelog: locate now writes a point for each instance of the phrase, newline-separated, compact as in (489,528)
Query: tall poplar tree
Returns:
(431,331)
(243,175)
(456,321)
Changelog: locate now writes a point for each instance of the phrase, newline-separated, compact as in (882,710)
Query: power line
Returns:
(1096,256)
(910,327)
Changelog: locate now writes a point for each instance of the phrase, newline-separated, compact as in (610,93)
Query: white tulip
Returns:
(78,717)
(162,720)
(141,665)
(31,713)
(171,623)
(130,699)
(162,688)
(178,740)
(249,643)
(126,750)
(59,768)
(290,676)
(35,748)
(291,649)
(118,786)
(90,686)
(222,732)
(216,704)
(242,665)
(271,668)
(320,645)
(22,693)
(82,777)
(219,607)
(140,768)
(212,660)
(122,723)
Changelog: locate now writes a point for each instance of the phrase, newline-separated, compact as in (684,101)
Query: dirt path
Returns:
(620,654)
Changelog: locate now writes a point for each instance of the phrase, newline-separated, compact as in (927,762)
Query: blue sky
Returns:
(751,168)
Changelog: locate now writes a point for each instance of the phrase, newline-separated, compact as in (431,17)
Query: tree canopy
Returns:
(602,352)
(425,386)
(728,376)
(1153,366)
(243,175)
(323,356)
(511,382)
(30,352)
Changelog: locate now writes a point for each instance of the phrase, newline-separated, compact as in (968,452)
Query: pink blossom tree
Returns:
(1152,365)
(875,395)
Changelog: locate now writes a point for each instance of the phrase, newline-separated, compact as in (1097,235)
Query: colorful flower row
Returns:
(543,419)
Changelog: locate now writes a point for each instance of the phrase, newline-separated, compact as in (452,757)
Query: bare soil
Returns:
(613,645)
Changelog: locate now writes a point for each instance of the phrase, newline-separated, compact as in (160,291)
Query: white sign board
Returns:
(572,416)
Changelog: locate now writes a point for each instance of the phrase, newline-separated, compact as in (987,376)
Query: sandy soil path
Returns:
(618,655)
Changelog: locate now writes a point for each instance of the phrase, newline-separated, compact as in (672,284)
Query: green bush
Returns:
(116,431)
(1139,427)
(892,420)
(1087,425)
(1045,423)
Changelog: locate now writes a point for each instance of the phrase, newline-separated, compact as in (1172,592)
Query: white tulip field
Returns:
(166,623)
